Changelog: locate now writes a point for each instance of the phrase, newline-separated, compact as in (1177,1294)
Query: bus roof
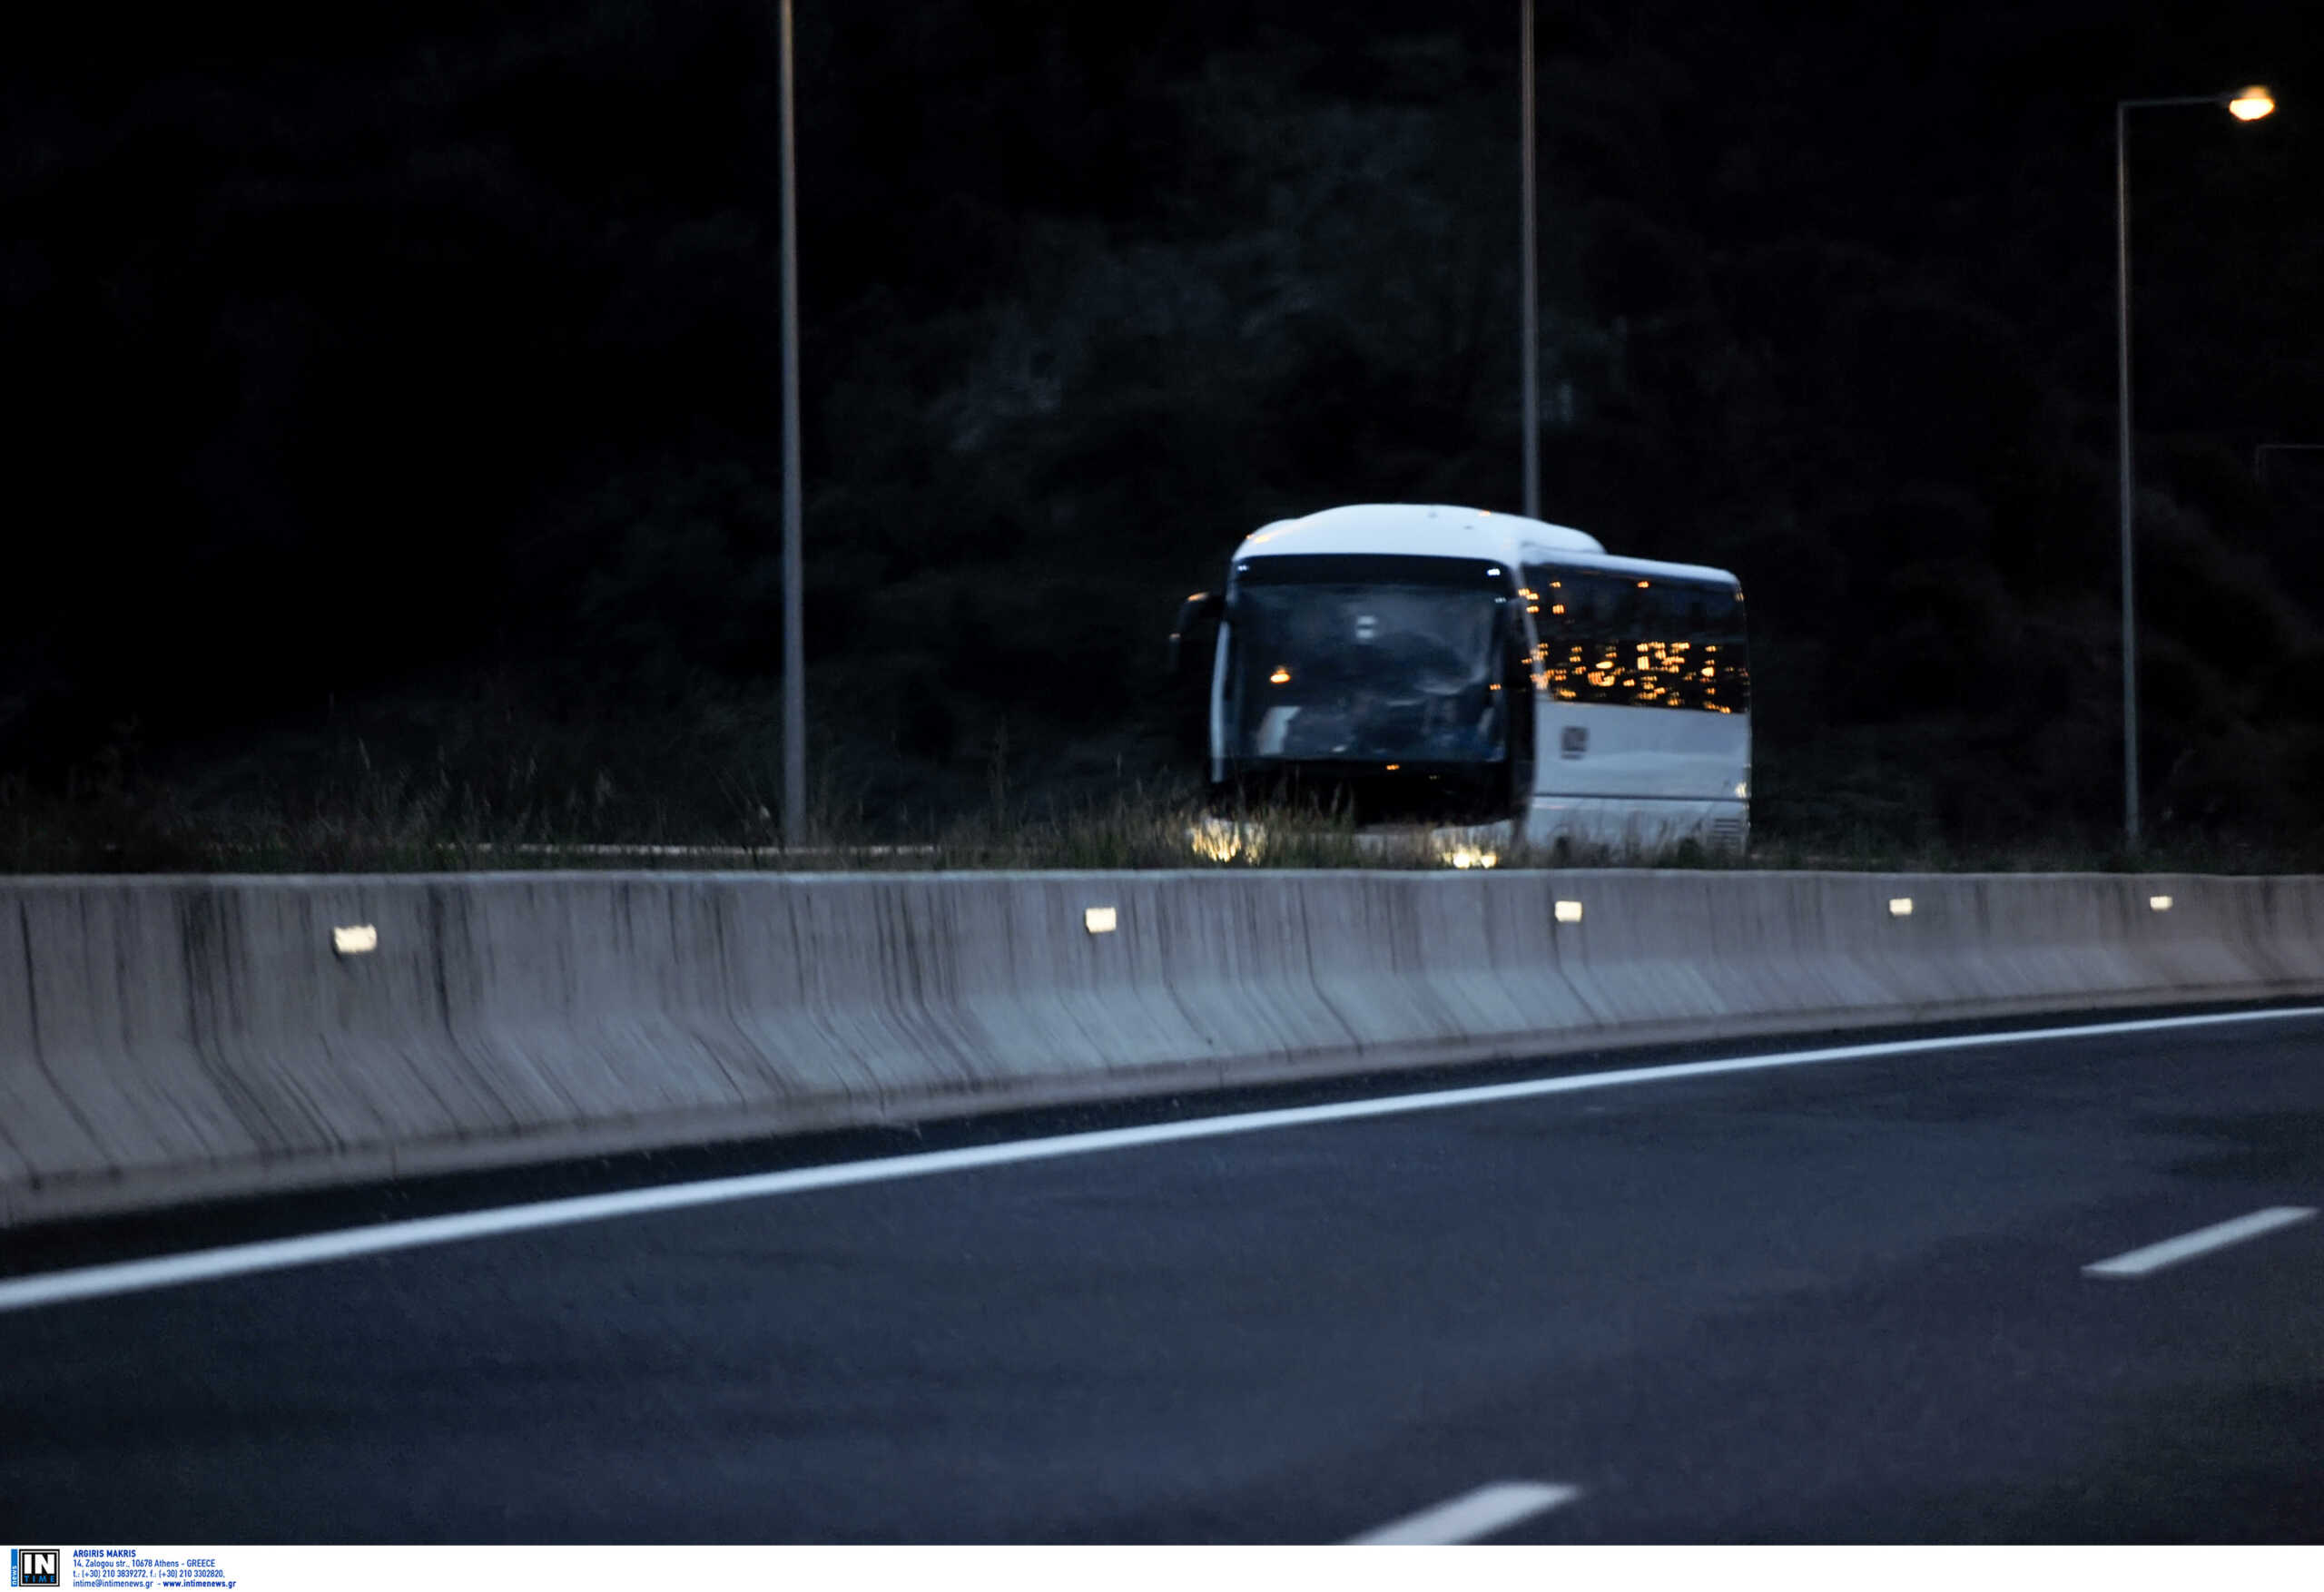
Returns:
(1644,568)
(1447,530)
(1442,529)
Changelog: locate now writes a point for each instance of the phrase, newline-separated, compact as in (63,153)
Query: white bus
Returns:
(1480,678)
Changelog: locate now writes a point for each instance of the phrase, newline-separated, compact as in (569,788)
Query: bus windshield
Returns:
(1381,671)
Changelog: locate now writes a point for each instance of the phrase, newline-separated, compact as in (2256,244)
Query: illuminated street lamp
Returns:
(2247,105)
(2251,103)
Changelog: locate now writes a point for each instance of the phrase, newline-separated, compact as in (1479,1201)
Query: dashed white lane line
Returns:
(48,1288)
(2138,1263)
(1472,1515)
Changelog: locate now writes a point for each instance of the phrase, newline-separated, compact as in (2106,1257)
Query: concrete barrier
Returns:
(163,1040)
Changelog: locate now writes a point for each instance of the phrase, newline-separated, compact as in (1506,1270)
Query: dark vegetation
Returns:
(395,437)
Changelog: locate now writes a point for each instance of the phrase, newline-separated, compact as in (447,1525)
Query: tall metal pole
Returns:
(795,649)
(2126,487)
(1529,335)
(2122,451)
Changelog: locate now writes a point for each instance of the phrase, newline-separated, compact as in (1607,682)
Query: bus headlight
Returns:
(1218,839)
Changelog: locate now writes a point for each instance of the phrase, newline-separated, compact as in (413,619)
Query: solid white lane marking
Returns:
(275,1254)
(1473,1514)
(2138,1263)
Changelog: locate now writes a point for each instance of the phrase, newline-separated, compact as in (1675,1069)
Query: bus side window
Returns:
(1605,638)
(1734,661)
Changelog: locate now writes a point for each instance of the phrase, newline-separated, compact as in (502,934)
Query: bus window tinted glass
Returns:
(1619,640)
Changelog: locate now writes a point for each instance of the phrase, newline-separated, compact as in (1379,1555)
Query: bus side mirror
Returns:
(1197,627)
(1193,644)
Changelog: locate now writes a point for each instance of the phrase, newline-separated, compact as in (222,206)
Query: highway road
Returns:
(1804,1298)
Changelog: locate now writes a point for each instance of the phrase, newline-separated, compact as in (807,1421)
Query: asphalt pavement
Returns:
(1839,1302)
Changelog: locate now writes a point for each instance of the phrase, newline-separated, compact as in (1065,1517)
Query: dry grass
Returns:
(379,822)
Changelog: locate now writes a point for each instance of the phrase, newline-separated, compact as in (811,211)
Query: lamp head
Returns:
(2251,103)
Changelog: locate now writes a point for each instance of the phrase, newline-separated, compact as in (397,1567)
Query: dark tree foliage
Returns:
(411,371)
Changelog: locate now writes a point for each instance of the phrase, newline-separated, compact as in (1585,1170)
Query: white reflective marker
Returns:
(1472,1515)
(356,939)
(1900,906)
(1568,911)
(43,1288)
(2158,903)
(1097,919)
(2138,1263)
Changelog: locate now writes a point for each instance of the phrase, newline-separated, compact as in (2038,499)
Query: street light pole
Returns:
(2247,106)
(1529,335)
(795,649)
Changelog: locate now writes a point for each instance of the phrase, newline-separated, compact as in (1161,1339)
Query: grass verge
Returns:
(397,824)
